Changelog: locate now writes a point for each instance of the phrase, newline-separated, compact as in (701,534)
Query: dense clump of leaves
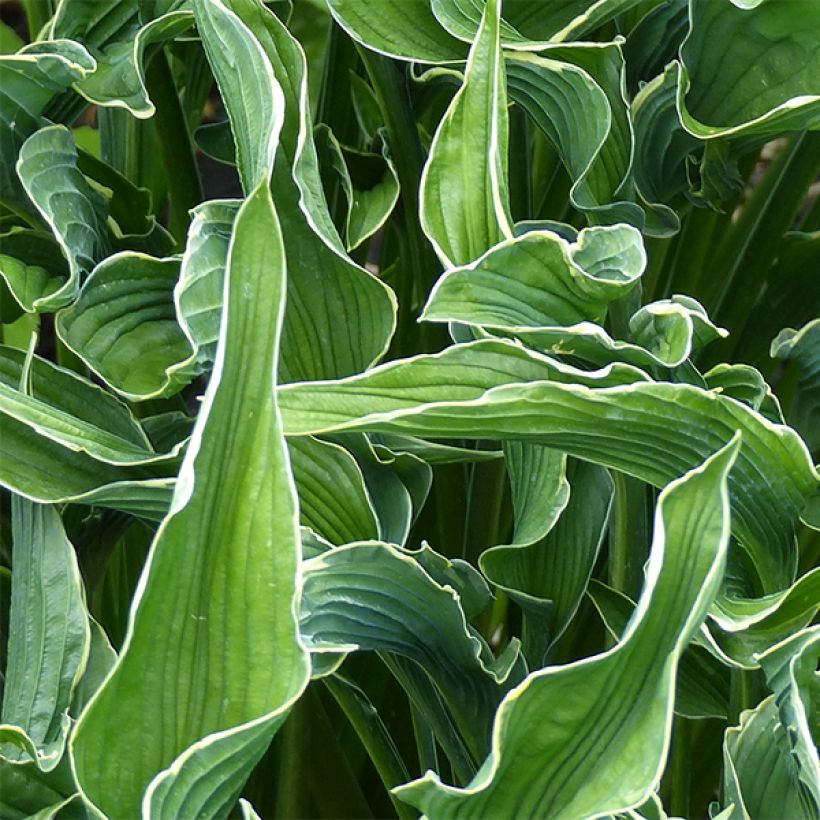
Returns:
(410,406)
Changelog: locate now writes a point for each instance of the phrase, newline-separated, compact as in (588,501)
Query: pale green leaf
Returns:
(235,500)
(464,197)
(48,632)
(75,212)
(604,750)
(653,431)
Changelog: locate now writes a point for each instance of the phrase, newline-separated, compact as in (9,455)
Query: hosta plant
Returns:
(410,407)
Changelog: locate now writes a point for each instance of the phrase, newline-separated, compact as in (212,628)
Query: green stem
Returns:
(628,536)
(38,13)
(741,693)
(373,735)
(681,768)
(425,741)
(175,145)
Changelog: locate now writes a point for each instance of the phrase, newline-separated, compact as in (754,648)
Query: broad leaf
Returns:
(46,654)
(652,431)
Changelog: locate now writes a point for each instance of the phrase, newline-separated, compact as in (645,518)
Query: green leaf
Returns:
(333,499)
(33,267)
(398,484)
(464,198)
(745,628)
(48,632)
(760,745)
(405,29)
(119,79)
(548,575)
(236,502)
(791,672)
(653,431)
(79,433)
(28,82)
(74,211)
(539,280)
(750,70)
(803,346)
(596,150)
(377,597)
(369,183)
(605,749)
(703,684)
(124,327)
(530,22)
(324,283)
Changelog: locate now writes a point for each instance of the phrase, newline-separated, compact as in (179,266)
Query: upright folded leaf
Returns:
(464,198)
(591,737)
(339,317)
(48,633)
(215,678)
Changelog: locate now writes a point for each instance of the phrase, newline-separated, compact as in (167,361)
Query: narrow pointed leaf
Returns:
(605,748)
(464,198)
(237,453)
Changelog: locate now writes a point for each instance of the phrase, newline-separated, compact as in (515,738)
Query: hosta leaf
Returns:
(119,79)
(703,682)
(333,499)
(63,439)
(604,750)
(28,82)
(323,284)
(75,212)
(547,577)
(661,143)
(236,502)
(406,29)
(435,452)
(539,279)
(376,597)
(746,384)
(745,628)
(652,431)
(25,790)
(464,198)
(48,632)
(398,484)
(791,672)
(750,70)
(803,347)
(596,150)
(760,775)
(531,21)
(33,267)
(231,724)
(124,326)
(369,184)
